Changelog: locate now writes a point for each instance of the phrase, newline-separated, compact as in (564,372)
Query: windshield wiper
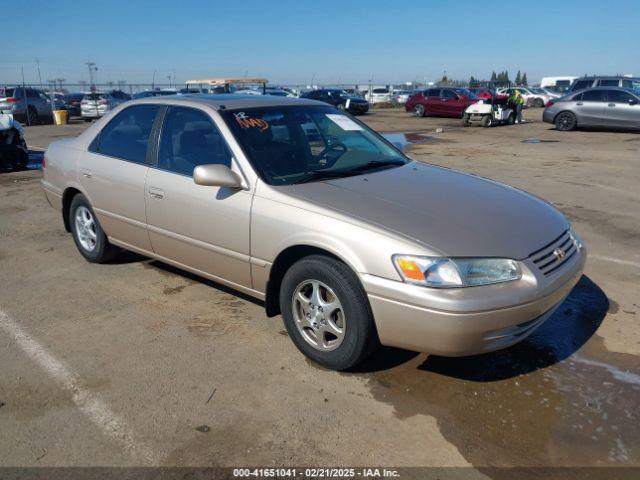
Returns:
(373,165)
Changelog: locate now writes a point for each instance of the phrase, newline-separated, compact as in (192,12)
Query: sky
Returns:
(324,42)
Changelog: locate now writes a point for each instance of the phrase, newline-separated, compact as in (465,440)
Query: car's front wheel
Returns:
(327,313)
(87,232)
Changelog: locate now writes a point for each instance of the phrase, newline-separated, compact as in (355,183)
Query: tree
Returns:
(518,78)
(524,79)
(494,77)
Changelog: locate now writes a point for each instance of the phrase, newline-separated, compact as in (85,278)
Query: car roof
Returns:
(227,101)
(621,89)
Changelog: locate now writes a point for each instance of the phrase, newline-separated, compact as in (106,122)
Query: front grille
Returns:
(554,255)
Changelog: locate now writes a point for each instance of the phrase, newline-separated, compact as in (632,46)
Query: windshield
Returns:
(294,144)
(466,93)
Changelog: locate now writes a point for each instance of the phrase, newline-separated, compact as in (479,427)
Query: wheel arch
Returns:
(67,197)
(281,264)
(565,111)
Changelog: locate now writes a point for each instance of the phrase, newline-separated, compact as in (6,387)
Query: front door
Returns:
(205,228)
(622,110)
(114,171)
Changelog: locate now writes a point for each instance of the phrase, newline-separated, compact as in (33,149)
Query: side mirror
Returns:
(216,175)
(633,101)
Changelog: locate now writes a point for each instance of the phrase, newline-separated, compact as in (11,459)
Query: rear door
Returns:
(201,227)
(589,108)
(113,174)
(622,110)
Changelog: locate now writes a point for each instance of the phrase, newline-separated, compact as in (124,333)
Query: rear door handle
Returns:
(85,173)
(156,193)
(579,103)
(612,105)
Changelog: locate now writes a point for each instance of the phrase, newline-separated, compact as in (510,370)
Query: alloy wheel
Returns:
(318,315)
(86,228)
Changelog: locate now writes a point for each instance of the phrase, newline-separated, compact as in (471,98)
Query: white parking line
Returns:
(615,260)
(92,406)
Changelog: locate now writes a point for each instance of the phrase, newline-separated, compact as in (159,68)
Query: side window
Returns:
(434,92)
(127,135)
(580,84)
(618,96)
(189,138)
(449,94)
(577,98)
(593,96)
(608,83)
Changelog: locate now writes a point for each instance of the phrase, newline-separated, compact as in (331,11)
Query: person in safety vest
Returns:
(516,102)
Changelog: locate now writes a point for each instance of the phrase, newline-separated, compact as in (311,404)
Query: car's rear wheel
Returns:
(566,121)
(419,110)
(327,313)
(512,119)
(538,102)
(465,120)
(87,232)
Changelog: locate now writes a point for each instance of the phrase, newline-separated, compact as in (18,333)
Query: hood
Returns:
(456,214)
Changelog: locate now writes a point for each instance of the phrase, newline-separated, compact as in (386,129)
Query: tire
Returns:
(512,119)
(419,110)
(487,121)
(465,120)
(565,121)
(538,103)
(101,250)
(32,117)
(355,336)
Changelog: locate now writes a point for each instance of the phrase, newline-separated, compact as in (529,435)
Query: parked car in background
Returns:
(28,105)
(73,101)
(551,93)
(487,94)
(354,244)
(340,99)
(441,101)
(379,95)
(95,105)
(630,83)
(604,107)
(542,95)
(531,99)
(154,93)
(400,97)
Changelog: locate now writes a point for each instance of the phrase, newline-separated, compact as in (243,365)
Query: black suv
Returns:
(339,99)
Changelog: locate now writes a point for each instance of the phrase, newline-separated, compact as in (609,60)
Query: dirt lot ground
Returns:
(136,363)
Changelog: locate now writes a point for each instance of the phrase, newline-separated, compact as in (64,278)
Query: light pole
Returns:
(92,70)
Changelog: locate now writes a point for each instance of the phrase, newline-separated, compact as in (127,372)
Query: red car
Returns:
(487,94)
(441,101)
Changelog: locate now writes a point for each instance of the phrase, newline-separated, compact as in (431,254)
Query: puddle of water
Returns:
(402,140)
(537,403)
(537,140)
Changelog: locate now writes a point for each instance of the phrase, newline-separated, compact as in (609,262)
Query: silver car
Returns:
(28,105)
(95,105)
(299,204)
(595,107)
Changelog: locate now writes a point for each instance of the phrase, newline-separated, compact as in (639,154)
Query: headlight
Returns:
(456,272)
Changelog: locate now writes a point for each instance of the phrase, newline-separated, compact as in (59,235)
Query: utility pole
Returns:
(153,81)
(169,78)
(92,81)
(39,76)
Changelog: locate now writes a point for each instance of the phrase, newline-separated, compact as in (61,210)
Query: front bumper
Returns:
(468,321)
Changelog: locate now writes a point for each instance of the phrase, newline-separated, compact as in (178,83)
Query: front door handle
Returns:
(156,193)
(86,173)
(579,103)
(612,105)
